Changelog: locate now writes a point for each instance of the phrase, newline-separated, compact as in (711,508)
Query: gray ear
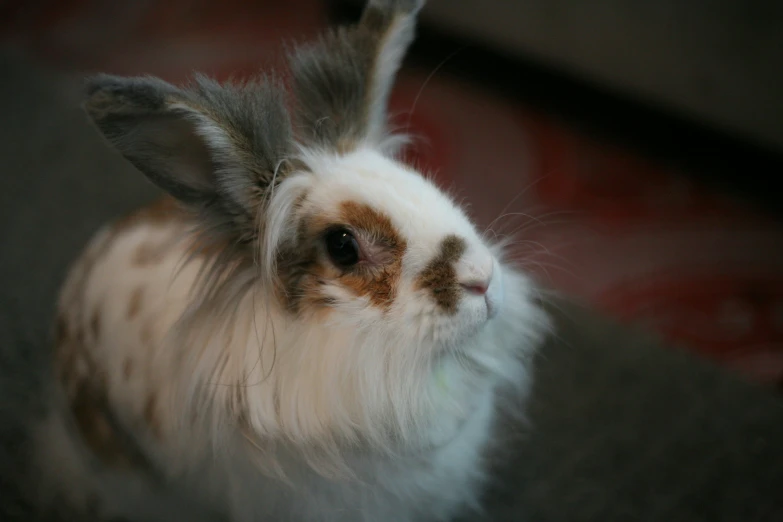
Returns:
(342,83)
(214,147)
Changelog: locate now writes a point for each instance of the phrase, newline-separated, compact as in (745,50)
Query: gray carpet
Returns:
(621,428)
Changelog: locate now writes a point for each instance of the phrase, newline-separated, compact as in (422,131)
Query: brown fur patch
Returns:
(95,323)
(164,210)
(297,267)
(127,368)
(82,378)
(379,288)
(151,415)
(366,218)
(379,283)
(300,275)
(148,254)
(89,402)
(89,412)
(146,334)
(134,304)
(78,334)
(440,276)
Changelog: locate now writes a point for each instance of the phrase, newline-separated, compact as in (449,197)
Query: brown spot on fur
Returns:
(85,385)
(151,415)
(240,404)
(276,403)
(378,288)
(146,334)
(87,394)
(148,254)
(440,276)
(299,278)
(165,209)
(90,409)
(379,283)
(134,305)
(95,324)
(78,335)
(366,218)
(127,368)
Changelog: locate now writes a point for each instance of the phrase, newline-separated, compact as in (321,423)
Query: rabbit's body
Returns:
(324,338)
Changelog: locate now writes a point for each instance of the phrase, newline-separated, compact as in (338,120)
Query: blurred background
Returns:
(630,147)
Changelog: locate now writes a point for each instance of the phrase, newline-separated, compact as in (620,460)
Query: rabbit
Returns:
(302,328)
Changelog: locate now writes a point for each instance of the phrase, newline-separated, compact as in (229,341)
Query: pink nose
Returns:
(475,287)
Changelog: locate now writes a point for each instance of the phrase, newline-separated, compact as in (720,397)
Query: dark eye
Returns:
(342,247)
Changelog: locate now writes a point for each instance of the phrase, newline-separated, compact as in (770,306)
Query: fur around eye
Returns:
(342,247)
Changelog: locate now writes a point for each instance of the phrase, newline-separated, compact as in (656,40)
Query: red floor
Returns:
(595,222)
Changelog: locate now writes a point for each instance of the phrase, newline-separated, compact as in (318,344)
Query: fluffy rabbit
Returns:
(304,329)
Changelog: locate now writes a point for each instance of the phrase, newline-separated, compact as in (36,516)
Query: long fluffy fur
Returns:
(346,406)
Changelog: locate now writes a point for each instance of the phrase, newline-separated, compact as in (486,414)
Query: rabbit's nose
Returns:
(477,274)
(475,287)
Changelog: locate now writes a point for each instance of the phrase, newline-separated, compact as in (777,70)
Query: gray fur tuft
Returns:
(343,81)
(220,148)
(216,148)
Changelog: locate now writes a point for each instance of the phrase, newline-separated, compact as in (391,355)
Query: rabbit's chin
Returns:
(390,393)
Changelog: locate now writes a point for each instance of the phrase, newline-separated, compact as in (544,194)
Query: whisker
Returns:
(515,198)
(543,266)
(542,249)
(528,227)
(545,219)
(428,78)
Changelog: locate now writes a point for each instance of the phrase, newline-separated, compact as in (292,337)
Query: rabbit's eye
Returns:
(342,247)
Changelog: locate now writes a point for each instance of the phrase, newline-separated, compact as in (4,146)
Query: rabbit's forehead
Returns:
(401,202)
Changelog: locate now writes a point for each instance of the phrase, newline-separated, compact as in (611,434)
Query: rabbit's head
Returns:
(347,241)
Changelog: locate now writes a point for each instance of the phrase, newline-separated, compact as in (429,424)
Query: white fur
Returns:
(357,415)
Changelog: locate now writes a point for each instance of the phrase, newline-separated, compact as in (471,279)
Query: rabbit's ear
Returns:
(342,82)
(216,148)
